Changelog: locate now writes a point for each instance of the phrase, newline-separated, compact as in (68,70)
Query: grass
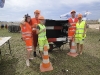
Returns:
(86,64)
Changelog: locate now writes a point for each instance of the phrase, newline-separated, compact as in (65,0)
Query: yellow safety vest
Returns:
(42,35)
(80,30)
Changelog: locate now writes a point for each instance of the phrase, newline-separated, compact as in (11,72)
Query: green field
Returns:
(86,64)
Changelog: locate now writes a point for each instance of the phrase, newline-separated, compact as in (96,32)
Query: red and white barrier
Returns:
(56,39)
(54,27)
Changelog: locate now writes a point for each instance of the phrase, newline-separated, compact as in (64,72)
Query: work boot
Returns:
(34,54)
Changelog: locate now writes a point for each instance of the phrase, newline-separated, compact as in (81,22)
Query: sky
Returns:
(14,10)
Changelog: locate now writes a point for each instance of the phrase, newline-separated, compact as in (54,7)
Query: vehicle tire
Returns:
(51,47)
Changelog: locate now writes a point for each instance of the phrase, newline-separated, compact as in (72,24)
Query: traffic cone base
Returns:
(42,69)
(72,54)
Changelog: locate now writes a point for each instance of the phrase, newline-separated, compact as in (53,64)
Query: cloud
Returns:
(49,8)
(46,3)
(72,3)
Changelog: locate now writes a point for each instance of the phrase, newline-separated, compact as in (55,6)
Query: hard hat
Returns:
(37,11)
(41,18)
(73,11)
(79,15)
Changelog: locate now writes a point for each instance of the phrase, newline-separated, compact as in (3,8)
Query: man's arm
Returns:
(84,29)
(69,24)
(38,30)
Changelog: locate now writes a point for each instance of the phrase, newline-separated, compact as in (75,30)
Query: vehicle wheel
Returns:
(51,47)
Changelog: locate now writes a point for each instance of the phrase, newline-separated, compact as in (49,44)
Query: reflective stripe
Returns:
(73,43)
(33,28)
(29,47)
(61,39)
(56,39)
(72,23)
(23,33)
(50,27)
(54,27)
(72,27)
(73,51)
(26,32)
(46,45)
(45,52)
(69,36)
(71,30)
(23,36)
(46,60)
(28,35)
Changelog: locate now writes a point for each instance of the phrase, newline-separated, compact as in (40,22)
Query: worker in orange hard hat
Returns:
(26,31)
(80,33)
(80,16)
(41,31)
(35,22)
(72,26)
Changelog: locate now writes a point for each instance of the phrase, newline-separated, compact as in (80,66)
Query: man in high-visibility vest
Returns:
(35,22)
(72,26)
(42,39)
(80,33)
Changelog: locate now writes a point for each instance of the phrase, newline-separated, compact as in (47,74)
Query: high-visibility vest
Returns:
(42,35)
(80,30)
(26,30)
(72,28)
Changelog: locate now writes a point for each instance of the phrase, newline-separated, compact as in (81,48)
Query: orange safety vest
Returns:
(72,28)
(26,31)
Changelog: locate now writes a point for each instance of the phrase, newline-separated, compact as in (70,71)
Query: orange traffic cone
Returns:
(73,50)
(45,65)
